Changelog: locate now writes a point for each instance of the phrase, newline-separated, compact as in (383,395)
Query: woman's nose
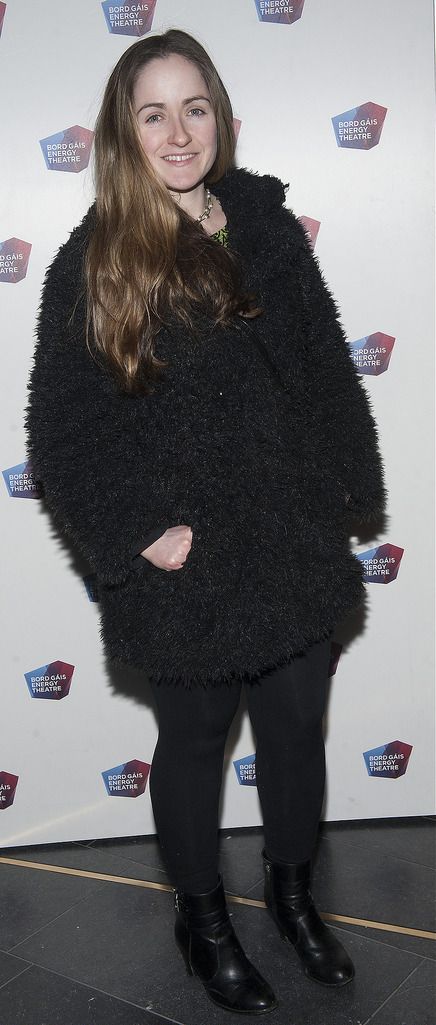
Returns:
(178,132)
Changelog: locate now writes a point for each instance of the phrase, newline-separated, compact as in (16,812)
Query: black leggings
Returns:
(286,707)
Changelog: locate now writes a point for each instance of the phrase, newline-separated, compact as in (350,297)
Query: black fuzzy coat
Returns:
(255,449)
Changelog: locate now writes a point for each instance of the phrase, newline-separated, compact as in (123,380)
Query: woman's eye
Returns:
(194,110)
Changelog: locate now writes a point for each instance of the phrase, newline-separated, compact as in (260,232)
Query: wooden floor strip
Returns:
(148,885)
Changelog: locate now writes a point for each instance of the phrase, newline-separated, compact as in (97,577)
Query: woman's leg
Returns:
(186,776)
(185,785)
(286,707)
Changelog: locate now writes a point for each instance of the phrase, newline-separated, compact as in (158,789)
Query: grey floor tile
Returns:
(141,850)
(10,967)
(121,942)
(89,859)
(29,899)
(42,997)
(411,839)
(415,944)
(414,1002)
(370,884)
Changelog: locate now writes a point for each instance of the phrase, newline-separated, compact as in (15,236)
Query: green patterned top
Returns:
(222,235)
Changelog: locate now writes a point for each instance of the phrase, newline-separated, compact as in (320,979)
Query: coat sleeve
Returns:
(82,443)
(147,540)
(336,395)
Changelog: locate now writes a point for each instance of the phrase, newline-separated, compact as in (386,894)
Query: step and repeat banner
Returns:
(335,97)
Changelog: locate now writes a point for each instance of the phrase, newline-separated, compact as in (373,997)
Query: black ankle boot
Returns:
(211,950)
(290,902)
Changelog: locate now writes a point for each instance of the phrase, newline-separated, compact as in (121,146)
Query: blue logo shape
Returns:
(21,482)
(68,150)
(388,761)
(381,564)
(50,681)
(91,585)
(360,127)
(129,18)
(245,769)
(372,353)
(128,779)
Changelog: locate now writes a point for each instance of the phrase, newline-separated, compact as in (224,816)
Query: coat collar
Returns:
(249,200)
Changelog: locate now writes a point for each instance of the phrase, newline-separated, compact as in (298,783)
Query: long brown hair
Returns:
(146,257)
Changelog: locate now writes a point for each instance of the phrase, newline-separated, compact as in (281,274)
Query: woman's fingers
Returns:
(171,550)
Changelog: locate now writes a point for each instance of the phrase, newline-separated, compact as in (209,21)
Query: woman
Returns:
(202,435)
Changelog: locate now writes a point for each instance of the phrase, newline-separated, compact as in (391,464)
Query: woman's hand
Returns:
(171,550)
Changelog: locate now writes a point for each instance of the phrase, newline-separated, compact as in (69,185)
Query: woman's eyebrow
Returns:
(162,105)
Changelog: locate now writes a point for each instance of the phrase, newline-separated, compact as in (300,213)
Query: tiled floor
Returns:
(76,949)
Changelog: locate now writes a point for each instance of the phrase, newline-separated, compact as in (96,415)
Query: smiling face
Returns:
(176,121)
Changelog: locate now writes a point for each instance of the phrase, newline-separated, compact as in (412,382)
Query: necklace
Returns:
(207,210)
(208,207)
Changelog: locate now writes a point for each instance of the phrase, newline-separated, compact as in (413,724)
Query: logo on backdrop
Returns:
(311,228)
(389,761)
(129,19)
(128,780)
(360,127)
(2,15)
(381,564)
(372,353)
(279,11)
(8,786)
(91,584)
(50,681)
(245,769)
(20,481)
(335,654)
(14,258)
(68,150)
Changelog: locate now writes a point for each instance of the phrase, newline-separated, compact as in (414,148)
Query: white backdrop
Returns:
(369,205)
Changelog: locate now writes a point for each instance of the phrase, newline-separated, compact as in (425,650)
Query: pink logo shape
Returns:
(237,127)
(21,482)
(388,761)
(14,258)
(129,18)
(381,564)
(372,353)
(283,12)
(128,779)
(311,228)
(50,681)
(360,127)
(68,150)
(2,15)
(8,786)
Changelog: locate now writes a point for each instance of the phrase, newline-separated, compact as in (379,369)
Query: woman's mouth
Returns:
(184,158)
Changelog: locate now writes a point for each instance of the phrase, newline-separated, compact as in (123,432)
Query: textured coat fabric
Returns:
(254,444)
